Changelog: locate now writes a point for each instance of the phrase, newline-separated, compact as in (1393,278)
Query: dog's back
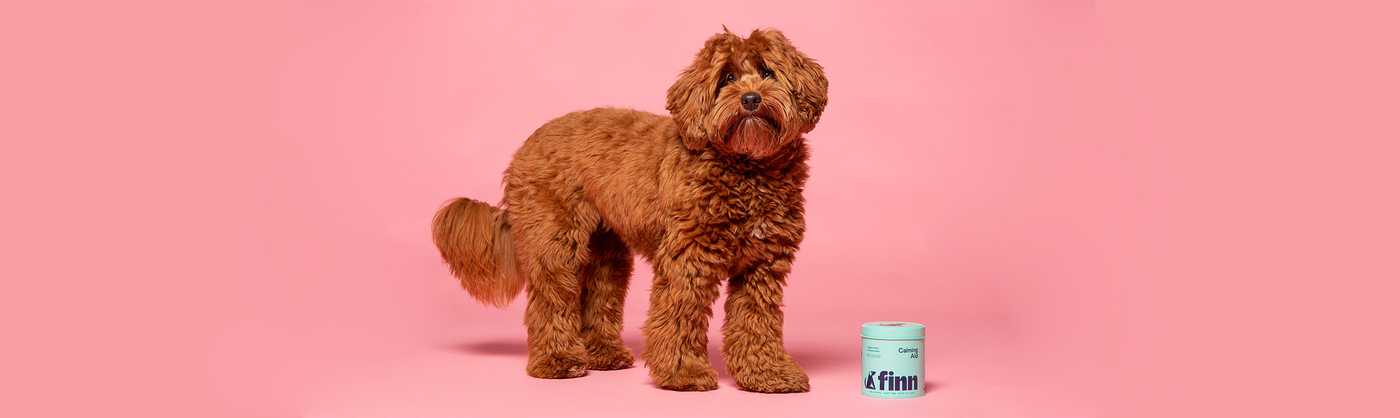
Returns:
(604,162)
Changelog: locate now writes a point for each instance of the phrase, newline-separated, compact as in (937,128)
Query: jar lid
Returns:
(892,330)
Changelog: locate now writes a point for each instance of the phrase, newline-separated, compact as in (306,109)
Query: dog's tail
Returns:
(474,239)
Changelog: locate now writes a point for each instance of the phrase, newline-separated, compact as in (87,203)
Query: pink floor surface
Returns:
(972,372)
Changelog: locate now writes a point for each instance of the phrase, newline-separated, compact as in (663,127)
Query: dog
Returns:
(711,196)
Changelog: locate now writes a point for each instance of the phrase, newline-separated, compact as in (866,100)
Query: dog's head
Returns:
(751,96)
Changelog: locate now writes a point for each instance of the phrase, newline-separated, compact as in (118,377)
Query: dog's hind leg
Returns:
(551,248)
(605,279)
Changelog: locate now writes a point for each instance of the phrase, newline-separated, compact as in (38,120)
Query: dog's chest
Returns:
(749,219)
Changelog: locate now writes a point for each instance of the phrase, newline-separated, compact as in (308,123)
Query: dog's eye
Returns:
(763,70)
(727,78)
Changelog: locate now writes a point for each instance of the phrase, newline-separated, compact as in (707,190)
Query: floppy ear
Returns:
(803,74)
(691,97)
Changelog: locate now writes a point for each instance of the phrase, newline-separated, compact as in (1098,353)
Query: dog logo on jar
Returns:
(888,381)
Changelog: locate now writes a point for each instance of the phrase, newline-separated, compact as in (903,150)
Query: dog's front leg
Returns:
(753,332)
(685,286)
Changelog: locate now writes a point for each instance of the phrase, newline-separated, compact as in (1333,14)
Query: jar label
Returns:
(892,369)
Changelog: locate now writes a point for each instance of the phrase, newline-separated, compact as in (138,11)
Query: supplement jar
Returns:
(892,362)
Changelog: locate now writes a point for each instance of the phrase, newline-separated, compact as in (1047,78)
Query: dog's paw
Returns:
(556,366)
(609,357)
(778,377)
(688,379)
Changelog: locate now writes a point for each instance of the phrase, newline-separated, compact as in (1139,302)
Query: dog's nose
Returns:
(750,101)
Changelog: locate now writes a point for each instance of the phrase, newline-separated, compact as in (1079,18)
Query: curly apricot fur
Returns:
(711,196)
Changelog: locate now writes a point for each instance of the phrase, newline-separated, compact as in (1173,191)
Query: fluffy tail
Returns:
(474,239)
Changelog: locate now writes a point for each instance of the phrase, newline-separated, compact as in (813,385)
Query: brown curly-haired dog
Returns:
(710,195)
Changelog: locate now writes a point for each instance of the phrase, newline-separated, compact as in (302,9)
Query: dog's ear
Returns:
(803,74)
(691,97)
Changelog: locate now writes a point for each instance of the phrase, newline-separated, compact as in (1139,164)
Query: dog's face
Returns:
(750,96)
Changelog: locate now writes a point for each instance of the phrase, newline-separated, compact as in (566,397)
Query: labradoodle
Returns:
(711,196)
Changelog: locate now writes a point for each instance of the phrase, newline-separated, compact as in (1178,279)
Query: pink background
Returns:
(1099,209)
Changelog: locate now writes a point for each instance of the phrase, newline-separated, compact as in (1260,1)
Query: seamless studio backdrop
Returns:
(1099,210)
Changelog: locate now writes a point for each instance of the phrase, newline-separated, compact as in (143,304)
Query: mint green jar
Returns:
(892,359)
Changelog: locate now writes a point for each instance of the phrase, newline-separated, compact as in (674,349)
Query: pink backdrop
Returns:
(1099,210)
